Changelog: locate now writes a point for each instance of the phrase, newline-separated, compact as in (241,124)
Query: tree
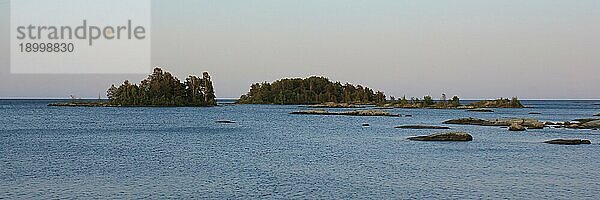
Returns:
(515,103)
(209,92)
(427,100)
(379,97)
(455,101)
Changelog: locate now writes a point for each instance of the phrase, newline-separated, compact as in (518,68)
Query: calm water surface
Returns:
(56,152)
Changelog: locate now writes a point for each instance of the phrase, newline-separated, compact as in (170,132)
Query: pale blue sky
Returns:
(541,49)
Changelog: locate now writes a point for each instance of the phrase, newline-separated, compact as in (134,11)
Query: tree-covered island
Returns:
(320,92)
(160,89)
(312,90)
(454,102)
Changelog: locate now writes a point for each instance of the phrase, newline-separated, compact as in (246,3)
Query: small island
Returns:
(568,141)
(444,137)
(348,113)
(521,124)
(320,92)
(160,89)
(309,91)
(453,103)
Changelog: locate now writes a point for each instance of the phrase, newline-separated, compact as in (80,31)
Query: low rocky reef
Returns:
(335,105)
(568,141)
(452,136)
(83,104)
(597,115)
(349,113)
(421,127)
(588,123)
(520,124)
(498,103)
(529,123)
(454,103)
(480,110)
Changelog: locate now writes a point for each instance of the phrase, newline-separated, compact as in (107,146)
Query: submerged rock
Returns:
(598,115)
(568,141)
(516,127)
(350,113)
(365,124)
(225,121)
(535,113)
(453,136)
(421,127)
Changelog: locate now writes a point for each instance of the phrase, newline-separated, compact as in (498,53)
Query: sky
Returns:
(535,49)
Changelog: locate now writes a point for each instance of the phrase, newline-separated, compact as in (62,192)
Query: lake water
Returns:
(62,152)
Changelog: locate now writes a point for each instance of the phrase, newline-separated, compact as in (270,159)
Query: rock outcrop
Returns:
(516,127)
(528,123)
(480,110)
(585,120)
(568,141)
(334,105)
(350,113)
(83,104)
(498,103)
(467,121)
(453,136)
(591,125)
(586,123)
(421,127)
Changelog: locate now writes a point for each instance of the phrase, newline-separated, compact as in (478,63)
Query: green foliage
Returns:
(163,89)
(403,101)
(515,103)
(427,100)
(455,101)
(312,90)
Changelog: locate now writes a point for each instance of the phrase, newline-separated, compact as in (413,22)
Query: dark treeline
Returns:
(454,102)
(312,90)
(163,89)
(426,102)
